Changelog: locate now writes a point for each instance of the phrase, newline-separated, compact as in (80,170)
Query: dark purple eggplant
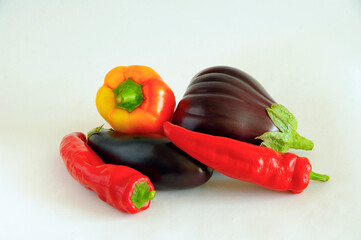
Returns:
(225,101)
(155,156)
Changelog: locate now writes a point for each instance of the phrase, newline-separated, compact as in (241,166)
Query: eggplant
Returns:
(225,101)
(155,156)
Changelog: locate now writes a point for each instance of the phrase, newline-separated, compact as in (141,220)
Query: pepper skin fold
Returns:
(243,161)
(155,156)
(122,187)
(225,101)
(135,99)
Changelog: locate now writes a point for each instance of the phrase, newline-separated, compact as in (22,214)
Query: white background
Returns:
(54,56)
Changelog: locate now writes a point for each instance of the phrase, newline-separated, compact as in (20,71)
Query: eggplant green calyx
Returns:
(128,95)
(141,194)
(93,131)
(287,137)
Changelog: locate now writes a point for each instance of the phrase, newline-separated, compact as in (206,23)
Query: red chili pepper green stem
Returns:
(244,161)
(122,187)
(141,194)
(319,177)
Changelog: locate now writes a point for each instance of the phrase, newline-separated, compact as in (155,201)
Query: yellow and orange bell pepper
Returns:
(135,99)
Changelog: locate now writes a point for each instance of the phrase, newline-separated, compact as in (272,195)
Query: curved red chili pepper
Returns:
(244,161)
(122,187)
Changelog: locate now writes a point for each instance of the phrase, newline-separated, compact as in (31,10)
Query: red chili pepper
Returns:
(122,187)
(244,161)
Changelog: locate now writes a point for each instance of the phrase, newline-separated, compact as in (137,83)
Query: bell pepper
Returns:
(135,99)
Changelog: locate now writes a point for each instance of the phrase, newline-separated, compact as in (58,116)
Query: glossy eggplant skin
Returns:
(225,101)
(155,156)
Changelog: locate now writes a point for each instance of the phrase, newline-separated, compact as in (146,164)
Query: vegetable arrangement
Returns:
(226,121)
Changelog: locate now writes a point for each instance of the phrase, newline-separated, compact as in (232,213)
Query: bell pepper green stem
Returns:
(128,95)
(141,194)
(319,177)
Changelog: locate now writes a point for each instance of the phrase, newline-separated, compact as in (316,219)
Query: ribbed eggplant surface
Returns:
(225,101)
